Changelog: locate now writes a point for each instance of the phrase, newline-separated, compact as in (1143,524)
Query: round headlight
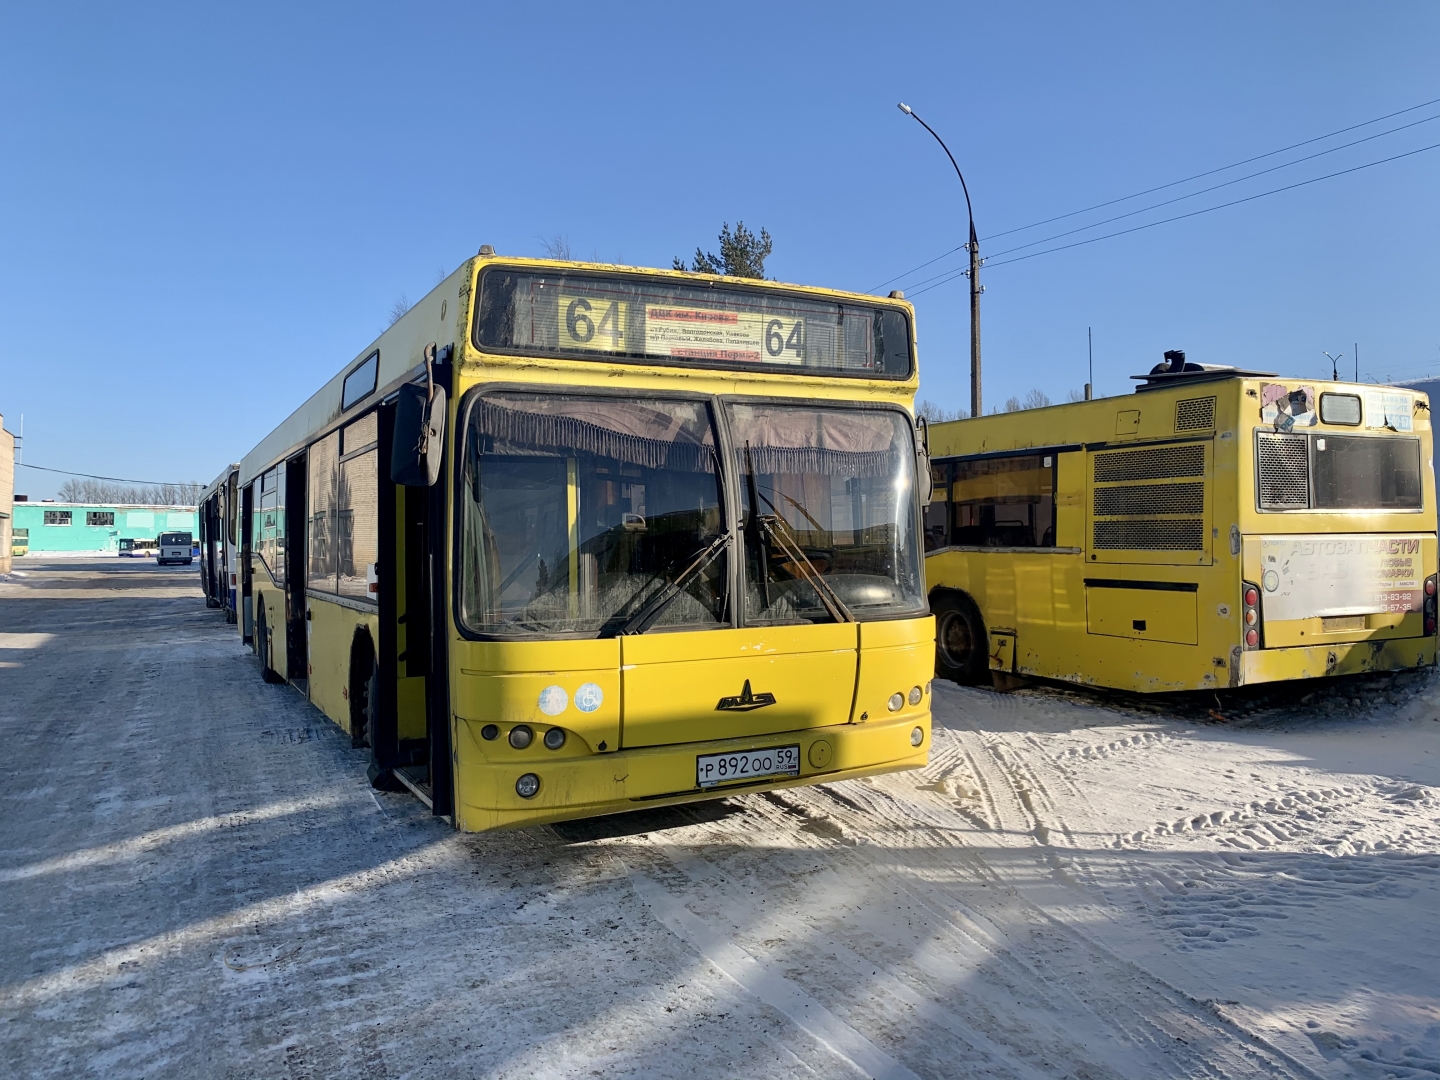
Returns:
(527,785)
(489,731)
(915,694)
(917,736)
(896,701)
(521,736)
(555,738)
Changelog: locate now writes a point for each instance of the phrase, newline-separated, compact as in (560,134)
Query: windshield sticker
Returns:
(1384,410)
(589,697)
(1286,409)
(553,700)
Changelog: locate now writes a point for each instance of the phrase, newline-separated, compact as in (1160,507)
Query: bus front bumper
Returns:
(1338,658)
(597,784)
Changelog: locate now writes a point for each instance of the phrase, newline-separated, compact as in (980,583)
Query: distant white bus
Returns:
(175,547)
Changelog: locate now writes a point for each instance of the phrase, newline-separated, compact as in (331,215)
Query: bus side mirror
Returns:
(419,436)
(923,479)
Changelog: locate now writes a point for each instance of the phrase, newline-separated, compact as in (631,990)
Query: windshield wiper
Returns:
(667,594)
(775,529)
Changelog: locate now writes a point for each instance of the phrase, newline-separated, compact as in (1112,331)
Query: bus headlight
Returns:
(521,736)
(1430,604)
(554,738)
(915,695)
(527,785)
(917,736)
(896,702)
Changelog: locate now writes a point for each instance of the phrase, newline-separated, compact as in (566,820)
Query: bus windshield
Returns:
(577,511)
(827,491)
(581,514)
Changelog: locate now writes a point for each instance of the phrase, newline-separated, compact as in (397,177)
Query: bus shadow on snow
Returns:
(640,822)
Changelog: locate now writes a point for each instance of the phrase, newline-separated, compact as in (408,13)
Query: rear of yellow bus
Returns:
(1338,541)
(686,556)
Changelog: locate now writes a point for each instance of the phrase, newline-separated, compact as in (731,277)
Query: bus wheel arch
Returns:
(363,684)
(962,646)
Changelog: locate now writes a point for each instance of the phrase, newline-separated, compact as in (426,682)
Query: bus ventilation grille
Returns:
(1195,414)
(1147,499)
(1156,463)
(1284,472)
(1161,535)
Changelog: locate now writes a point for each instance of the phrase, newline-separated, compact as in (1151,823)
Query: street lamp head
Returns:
(905,109)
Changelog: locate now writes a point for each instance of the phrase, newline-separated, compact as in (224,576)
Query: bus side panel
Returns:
(332,629)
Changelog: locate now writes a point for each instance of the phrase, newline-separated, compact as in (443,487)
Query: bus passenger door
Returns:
(297,641)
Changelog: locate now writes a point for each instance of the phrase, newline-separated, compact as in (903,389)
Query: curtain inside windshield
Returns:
(834,488)
(576,512)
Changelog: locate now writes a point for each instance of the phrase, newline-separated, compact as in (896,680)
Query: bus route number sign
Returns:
(593,323)
(745,337)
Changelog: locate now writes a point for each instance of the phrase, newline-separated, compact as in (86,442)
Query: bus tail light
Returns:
(1250,613)
(1430,604)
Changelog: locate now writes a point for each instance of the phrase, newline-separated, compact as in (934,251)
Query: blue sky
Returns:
(205,211)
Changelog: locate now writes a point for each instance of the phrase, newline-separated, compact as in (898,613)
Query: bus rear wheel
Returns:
(961,649)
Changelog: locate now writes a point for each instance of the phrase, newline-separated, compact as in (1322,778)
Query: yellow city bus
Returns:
(571,539)
(1220,528)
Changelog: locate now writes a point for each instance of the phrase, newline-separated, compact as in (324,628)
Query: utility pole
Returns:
(973,273)
(1090,343)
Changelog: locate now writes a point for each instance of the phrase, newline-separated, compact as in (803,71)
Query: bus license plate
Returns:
(713,769)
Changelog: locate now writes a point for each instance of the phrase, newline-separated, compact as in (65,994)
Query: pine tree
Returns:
(742,254)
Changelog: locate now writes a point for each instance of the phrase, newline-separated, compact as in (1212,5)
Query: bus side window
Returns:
(937,514)
(1004,502)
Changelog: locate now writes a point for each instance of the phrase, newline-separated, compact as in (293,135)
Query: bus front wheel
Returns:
(961,650)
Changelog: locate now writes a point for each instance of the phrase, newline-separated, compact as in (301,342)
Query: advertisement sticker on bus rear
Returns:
(1304,577)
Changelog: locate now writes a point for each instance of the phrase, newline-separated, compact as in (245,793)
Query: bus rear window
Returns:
(1352,472)
(676,322)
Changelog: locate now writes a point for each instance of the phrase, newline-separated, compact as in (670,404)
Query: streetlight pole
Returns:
(973,273)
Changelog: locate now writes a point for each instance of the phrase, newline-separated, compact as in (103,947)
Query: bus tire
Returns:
(364,690)
(962,649)
(264,645)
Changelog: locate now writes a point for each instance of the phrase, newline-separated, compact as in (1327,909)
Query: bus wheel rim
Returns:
(954,638)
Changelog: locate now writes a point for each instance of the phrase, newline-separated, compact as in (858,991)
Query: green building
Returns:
(57,526)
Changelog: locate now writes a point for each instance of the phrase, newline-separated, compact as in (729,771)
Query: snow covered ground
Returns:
(195,880)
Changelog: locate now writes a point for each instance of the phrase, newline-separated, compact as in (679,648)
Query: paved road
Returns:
(195,881)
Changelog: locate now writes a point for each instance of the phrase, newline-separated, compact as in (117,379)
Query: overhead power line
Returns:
(1181,217)
(112,479)
(1216,187)
(1175,183)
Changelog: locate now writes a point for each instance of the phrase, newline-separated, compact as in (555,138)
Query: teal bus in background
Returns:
(86,527)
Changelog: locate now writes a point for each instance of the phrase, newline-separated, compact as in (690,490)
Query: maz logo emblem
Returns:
(745,701)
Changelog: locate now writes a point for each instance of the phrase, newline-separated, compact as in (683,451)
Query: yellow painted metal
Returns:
(1064,630)
(332,630)
(1142,614)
